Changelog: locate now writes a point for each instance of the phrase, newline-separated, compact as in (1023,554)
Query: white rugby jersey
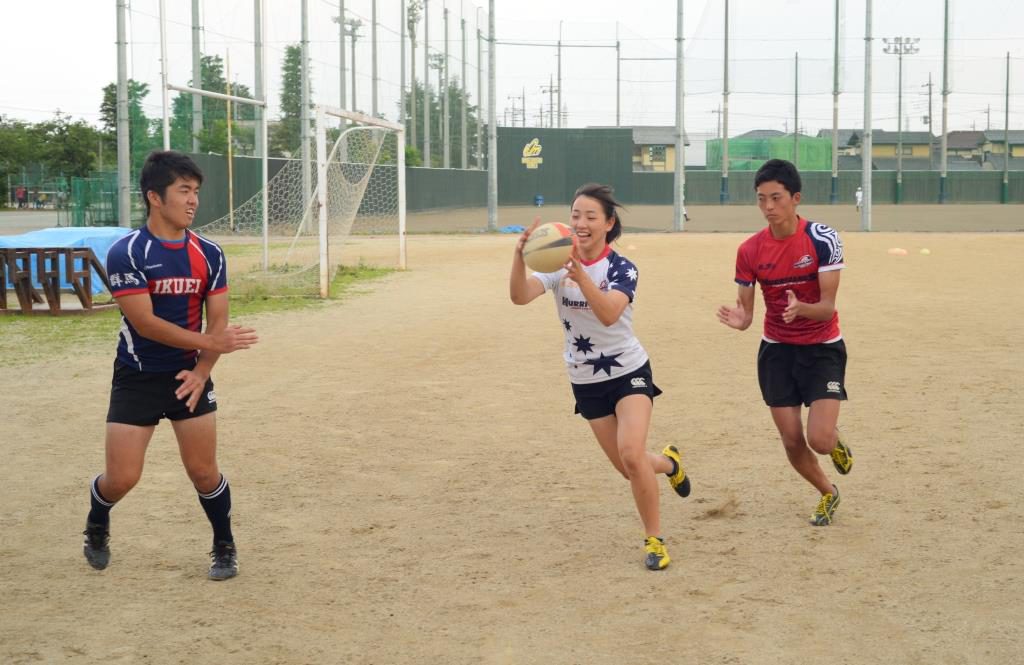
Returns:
(595,352)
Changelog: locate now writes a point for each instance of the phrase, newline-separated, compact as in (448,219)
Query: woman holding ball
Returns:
(608,368)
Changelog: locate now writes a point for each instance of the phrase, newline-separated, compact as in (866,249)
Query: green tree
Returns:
(213,137)
(141,134)
(456,99)
(286,138)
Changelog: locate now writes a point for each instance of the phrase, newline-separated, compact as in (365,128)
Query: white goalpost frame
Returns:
(323,159)
(262,103)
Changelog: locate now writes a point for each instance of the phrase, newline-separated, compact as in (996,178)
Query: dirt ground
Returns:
(410,485)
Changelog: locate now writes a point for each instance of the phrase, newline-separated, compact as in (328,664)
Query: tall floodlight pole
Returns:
(492,125)
(446,110)
(165,104)
(304,107)
(465,97)
(197,78)
(260,111)
(263,133)
(479,93)
(340,20)
(415,7)
(124,202)
(618,76)
(1005,198)
(679,178)
(900,46)
(401,68)
(865,151)
(796,110)
(353,25)
(373,57)
(559,75)
(834,192)
(945,103)
(723,196)
(426,84)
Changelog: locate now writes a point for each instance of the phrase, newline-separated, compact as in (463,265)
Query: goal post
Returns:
(344,173)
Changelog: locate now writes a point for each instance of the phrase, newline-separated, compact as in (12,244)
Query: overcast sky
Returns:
(58,54)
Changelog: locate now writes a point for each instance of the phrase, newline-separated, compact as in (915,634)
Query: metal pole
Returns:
(723,196)
(945,103)
(866,157)
(258,56)
(321,200)
(353,27)
(1006,137)
(834,192)
(304,107)
(679,177)
(231,164)
(618,76)
(341,54)
(479,94)
(796,110)
(899,123)
(492,126)
(559,75)
(401,69)
(413,138)
(124,203)
(465,96)
(401,202)
(163,78)
(373,57)
(426,84)
(264,128)
(446,130)
(197,79)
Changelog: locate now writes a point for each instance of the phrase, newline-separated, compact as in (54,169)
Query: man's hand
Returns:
(233,338)
(191,388)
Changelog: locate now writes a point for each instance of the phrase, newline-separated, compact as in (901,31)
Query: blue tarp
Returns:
(97,238)
(512,228)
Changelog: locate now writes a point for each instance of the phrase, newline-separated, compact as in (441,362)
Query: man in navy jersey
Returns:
(802,358)
(162,275)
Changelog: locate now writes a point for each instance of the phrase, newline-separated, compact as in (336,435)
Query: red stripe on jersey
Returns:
(606,252)
(200,271)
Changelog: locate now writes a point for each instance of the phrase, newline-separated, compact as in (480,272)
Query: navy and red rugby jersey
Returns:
(791,264)
(178,275)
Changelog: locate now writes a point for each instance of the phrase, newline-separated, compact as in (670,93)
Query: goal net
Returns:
(345,205)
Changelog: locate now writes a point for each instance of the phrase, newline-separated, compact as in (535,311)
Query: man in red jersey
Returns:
(802,358)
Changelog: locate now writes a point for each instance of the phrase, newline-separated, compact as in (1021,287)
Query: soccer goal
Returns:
(345,204)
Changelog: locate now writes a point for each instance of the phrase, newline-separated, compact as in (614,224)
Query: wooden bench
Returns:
(16,268)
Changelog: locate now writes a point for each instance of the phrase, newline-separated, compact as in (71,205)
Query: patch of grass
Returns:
(28,339)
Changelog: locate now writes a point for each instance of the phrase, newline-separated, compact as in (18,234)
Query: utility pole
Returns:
(866,156)
(931,136)
(618,76)
(718,121)
(124,202)
(340,20)
(260,111)
(492,126)
(900,46)
(679,216)
(1006,137)
(197,77)
(304,109)
(834,191)
(373,57)
(550,89)
(415,7)
(446,128)
(353,25)
(945,101)
(426,84)
(723,196)
(479,94)
(401,77)
(465,95)
(796,110)
(559,85)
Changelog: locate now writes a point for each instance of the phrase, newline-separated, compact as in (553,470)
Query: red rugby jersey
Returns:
(791,264)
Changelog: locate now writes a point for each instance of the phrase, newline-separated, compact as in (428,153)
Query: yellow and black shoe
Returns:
(842,456)
(678,478)
(822,515)
(657,555)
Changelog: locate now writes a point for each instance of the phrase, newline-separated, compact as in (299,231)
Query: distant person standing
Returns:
(19,196)
(859,197)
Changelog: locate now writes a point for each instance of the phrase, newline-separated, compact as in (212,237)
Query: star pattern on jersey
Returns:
(631,274)
(604,363)
(567,324)
(583,344)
